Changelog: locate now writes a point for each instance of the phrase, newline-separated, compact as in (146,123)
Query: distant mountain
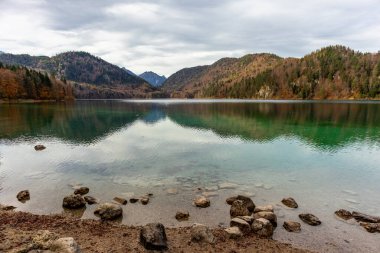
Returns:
(1,52)
(23,83)
(76,66)
(90,76)
(154,79)
(191,82)
(334,72)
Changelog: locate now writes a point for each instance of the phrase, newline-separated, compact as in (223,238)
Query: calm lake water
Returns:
(326,155)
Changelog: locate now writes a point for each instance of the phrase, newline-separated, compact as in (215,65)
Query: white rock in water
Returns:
(259,185)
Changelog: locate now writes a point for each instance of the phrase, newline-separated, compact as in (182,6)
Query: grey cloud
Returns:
(167,35)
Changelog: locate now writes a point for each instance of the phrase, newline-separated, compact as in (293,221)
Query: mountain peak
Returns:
(153,78)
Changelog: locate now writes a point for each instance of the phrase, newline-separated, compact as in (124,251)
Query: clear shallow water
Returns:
(325,155)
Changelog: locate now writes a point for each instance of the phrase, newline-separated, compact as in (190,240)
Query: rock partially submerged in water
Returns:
(23,196)
(268,216)
(201,201)
(365,217)
(292,226)
(201,233)
(262,227)
(153,237)
(120,200)
(144,200)
(182,215)
(134,200)
(344,214)
(289,202)
(247,202)
(371,227)
(39,147)
(109,211)
(90,200)
(82,190)
(73,202)
(244,226)
(310,219)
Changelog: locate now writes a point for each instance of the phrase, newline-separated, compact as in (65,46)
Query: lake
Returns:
(326,155)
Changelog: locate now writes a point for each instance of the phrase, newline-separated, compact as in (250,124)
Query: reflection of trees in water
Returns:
(82,121)
(326,125)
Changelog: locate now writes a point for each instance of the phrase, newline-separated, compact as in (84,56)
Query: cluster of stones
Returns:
(368,222)
(46,241)
(107,210)
(247,218)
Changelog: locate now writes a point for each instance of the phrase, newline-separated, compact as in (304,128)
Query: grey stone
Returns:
(153,237)
(310,219)
(201,233)
(73,202)
(262,227)
(109,211)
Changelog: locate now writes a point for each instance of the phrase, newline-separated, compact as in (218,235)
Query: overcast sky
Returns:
(166,35)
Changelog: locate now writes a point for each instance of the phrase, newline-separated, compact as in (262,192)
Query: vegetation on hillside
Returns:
(23,83)
(333,72)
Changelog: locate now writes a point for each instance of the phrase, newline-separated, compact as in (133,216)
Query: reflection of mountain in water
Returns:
(154,115)
(326,125)
(80,122)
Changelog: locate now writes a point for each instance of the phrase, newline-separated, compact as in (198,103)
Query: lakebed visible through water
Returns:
(326,155)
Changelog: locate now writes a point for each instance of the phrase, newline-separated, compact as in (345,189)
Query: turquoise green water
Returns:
(326,155)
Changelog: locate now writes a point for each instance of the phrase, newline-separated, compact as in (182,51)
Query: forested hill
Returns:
(22,83)
(79,67)
(334,72)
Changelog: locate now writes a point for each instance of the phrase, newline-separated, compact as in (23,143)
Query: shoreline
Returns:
(18,228)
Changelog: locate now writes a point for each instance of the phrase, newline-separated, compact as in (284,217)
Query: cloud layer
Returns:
(166,35)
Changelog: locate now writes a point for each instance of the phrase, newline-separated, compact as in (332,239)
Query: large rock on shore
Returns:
(247,202)
(289,202)
(109,211)
(241,224)
(153,237)
(201,201)
(73,202)
(201,233)
(310,219)
(262,227)
(23,196)
(82,190)
(292,226)
(268,216)
(239,208)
